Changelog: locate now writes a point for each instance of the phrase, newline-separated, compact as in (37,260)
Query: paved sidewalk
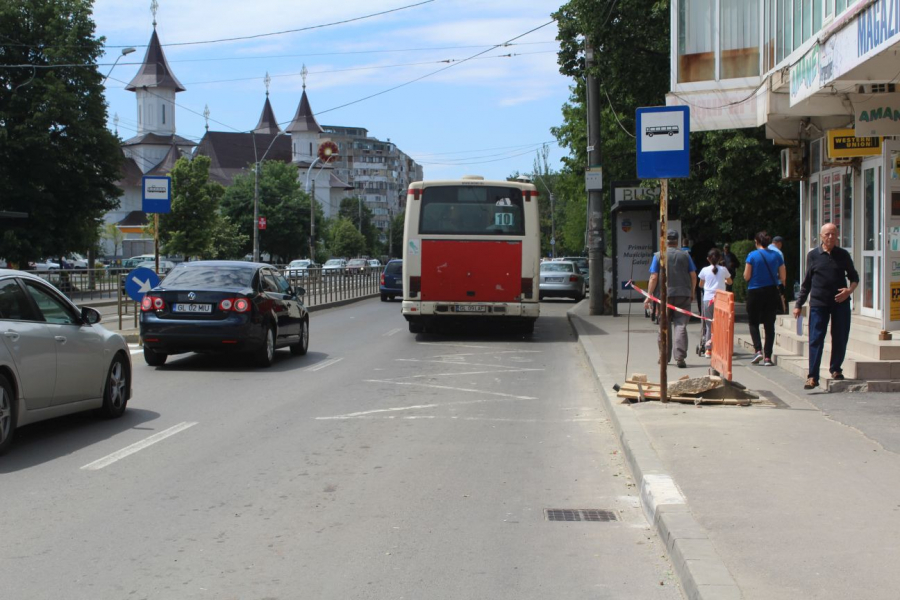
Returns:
(795,499)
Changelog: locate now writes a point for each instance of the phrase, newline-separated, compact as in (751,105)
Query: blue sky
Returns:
(486,116)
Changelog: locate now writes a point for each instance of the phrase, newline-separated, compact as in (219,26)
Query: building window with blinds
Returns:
(696,41)
(739,35)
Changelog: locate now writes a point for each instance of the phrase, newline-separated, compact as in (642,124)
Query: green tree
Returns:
(396,233)
(354,208)
(192,226)
(58,161)
(345,239)
(281,201)
(734,187)
(112,233)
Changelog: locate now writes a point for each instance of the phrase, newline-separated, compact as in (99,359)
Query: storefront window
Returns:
(826,199)
(815,156)
(869,207)
(798,34)
(696,41)
(739,32)
(847,231)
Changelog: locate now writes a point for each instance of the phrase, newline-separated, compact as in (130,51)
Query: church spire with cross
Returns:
(268,124)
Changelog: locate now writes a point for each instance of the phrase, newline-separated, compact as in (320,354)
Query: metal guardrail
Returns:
(320,286)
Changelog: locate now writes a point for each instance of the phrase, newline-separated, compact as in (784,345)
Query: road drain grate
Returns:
(580,514)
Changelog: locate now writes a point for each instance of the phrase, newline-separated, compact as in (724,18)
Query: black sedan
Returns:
(223,306)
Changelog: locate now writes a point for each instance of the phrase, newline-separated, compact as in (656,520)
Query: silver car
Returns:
(561,279)
(54,357)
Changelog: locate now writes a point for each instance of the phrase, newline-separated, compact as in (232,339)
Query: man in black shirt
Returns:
(730,262)
(828,268)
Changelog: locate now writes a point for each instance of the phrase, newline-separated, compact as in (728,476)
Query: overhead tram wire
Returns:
(249,37)
(470,159)
(517,147)
(450,66)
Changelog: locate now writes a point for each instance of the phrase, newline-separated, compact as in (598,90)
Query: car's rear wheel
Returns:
(265,356)
(8,407)
(579,297)
(154,358)
(115,394)
(300,348)
(384,297)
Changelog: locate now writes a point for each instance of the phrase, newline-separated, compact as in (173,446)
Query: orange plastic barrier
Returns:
(723,333)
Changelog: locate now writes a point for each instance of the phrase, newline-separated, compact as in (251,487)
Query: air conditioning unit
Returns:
(792,164)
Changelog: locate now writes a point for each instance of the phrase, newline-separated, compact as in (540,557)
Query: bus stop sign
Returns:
(663,142)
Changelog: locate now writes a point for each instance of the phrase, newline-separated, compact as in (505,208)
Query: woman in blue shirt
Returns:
(763,272)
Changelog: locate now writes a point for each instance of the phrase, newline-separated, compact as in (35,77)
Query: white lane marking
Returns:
(457,363)
(488,353)
(457,345)
(129,450)
(465,373)
(391,332)
(455,389)
(372,412)
(323,365)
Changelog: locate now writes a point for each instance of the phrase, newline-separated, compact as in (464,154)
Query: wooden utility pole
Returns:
(663,290)
(596,243)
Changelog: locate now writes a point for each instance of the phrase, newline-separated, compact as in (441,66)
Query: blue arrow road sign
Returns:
(139,282)
(663,142)
(156,194)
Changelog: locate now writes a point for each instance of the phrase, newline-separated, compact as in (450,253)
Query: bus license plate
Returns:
(193,308)
(471,308)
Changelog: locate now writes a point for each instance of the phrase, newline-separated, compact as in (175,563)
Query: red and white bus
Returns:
(471,251)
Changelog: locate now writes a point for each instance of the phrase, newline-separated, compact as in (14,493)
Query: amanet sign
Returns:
(805,76)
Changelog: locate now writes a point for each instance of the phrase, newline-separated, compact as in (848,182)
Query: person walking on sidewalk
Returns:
(681,281)
(713,278)
(730,262)
(763,272)
(828,268)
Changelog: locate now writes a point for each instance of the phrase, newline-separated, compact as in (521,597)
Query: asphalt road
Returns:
(381,465)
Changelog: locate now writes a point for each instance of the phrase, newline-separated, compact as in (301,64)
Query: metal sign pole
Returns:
(156,239)
(663,291)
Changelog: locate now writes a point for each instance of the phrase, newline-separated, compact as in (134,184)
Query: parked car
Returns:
(561,279)
(300,267)
(374,262)
(392,280)
(134,261)
(44,265)
(334,266)
(55,358)
(223,306)
(357,265)
(164,266)
(583,267)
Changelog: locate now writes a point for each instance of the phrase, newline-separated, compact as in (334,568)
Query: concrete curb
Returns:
(702,573)
(133,337)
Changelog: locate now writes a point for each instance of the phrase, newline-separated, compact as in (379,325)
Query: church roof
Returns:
(337,184)
(267,122)
(232,153)
(131,174)
(155,71)
(166,165)
(154,139)
(304,119)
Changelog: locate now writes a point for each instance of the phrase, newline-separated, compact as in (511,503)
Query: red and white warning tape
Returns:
(675,308)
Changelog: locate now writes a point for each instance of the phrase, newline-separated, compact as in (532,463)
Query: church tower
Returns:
(304,130)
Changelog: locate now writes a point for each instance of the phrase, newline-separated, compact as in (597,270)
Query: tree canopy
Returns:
(281,201)
(58,161)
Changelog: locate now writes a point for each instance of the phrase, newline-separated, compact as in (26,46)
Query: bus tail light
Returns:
(415,286)
(529,194)
(416,193)
(527,287)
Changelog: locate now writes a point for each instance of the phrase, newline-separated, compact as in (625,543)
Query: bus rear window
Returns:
(472,210)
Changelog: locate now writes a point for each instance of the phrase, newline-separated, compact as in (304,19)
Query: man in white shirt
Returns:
(777,243)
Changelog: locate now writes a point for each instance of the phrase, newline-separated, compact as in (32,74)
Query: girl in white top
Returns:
(714,277)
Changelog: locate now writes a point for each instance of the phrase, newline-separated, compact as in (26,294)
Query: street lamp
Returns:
(328,152)
(256,192)
(125,52)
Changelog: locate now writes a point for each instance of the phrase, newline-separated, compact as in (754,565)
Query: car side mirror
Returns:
(299,291)
(89,315)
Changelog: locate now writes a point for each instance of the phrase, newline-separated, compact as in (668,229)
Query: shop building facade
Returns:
(823,77)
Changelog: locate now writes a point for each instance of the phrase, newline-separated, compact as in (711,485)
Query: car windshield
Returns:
(557,267)
(472,210)
(208,277)
(334,262)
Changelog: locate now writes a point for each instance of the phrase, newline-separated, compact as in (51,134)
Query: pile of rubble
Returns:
(687,390)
